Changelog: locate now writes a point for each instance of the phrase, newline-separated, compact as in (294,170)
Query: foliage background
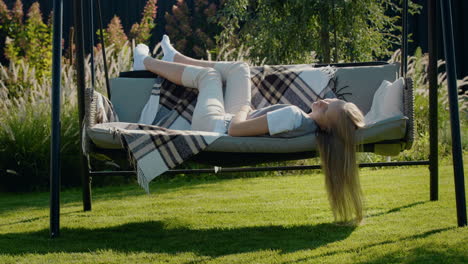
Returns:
(130,12)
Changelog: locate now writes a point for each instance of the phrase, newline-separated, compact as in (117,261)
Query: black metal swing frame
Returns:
(447,29)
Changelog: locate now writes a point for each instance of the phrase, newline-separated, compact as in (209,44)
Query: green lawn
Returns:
(250,220)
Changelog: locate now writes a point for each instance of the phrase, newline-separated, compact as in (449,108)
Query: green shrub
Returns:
(25,148)
(115,34)
(192,31)
(28,41)
(141,32)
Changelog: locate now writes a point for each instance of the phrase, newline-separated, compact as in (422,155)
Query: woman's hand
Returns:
(246,108)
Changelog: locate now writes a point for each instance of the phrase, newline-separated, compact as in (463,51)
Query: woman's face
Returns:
(325,112)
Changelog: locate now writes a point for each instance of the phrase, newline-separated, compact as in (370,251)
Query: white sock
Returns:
(140,53)
(168,50)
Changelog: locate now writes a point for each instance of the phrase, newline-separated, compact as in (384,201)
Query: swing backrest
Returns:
(357,83)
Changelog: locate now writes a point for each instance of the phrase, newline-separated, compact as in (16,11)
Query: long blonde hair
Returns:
(337,149)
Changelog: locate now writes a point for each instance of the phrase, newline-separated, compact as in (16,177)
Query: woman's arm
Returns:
(240,127)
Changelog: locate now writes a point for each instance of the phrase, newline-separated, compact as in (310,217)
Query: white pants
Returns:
(212,107)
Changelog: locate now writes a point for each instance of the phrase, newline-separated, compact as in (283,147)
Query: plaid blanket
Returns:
(168,141)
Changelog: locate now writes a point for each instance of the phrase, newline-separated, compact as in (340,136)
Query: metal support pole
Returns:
(404,41)
(433,103)
(55,142)
(106,72)
(449,48)
(91,42)
(80,85)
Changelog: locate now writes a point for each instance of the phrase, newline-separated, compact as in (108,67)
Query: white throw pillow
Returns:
(387,102)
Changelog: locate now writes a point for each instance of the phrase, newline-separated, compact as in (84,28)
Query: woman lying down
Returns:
(334,121)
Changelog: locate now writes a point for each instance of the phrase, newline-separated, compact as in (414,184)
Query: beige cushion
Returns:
(387,102)
(362,82)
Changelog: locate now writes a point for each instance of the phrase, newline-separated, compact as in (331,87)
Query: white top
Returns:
(286,120)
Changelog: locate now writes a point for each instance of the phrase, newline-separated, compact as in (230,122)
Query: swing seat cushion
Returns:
(393,128)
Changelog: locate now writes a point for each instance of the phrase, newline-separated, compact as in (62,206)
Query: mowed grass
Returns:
(277,219)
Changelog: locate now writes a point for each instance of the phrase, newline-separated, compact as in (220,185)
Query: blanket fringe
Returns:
(142,181)
(329,71)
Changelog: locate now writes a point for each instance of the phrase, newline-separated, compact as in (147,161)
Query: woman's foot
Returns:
(140,53)
(168,50)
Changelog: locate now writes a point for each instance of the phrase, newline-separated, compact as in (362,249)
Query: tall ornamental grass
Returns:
(25,128)
(25,123)
(418,68)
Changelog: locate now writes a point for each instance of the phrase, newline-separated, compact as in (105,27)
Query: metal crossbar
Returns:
(256,169)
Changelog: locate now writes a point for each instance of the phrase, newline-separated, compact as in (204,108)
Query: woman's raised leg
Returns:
(172,55)
(235,75)
(209,112)
(169,70)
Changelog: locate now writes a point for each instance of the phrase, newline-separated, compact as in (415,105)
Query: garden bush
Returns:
(141,32)
(27,40)
(193,30)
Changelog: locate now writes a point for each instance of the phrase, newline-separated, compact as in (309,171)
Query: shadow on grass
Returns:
(398,209)
(157,237)
(415,255)
(423,255)
(32,219)
(40,200)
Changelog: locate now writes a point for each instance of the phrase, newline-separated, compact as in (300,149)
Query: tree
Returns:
(305,31)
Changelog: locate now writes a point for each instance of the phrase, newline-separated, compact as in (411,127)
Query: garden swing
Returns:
(388,136)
